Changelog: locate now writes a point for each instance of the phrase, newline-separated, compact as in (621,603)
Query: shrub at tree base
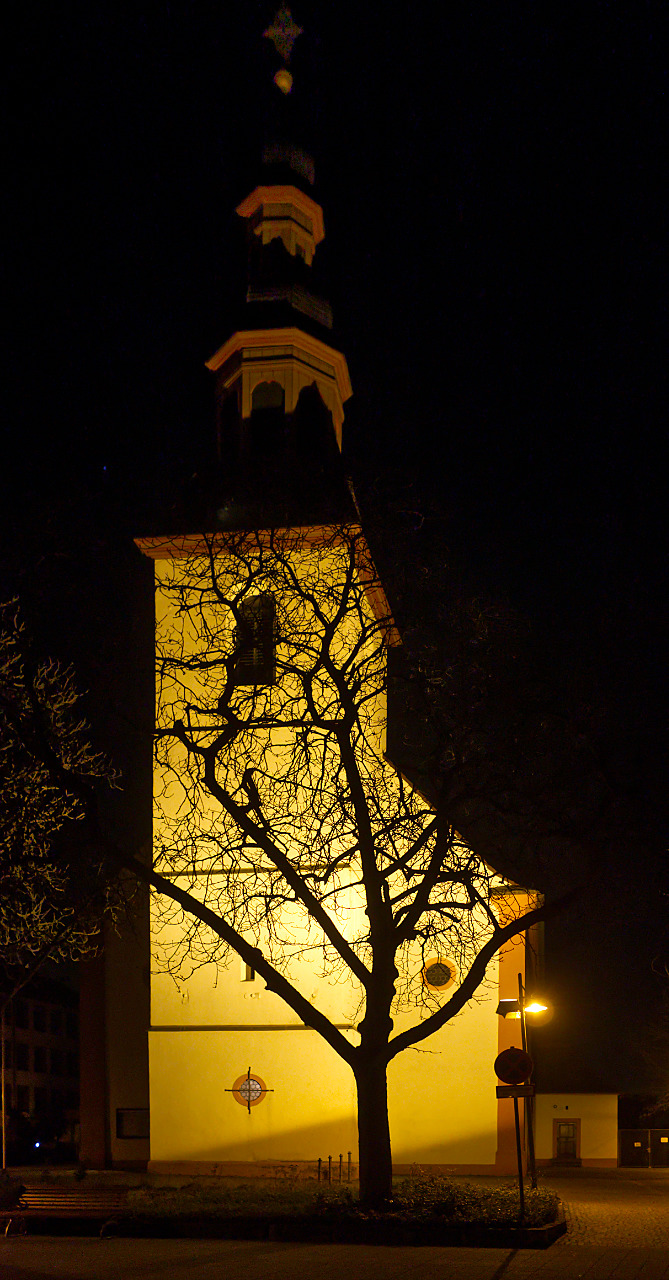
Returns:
(465,1202)
(415,1201)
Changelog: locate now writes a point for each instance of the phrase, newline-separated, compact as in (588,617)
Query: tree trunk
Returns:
(376,1169)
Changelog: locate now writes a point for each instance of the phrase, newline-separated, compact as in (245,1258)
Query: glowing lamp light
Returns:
(284,80)
(511,1008)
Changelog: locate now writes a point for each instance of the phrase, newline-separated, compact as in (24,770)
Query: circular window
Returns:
(439,974)
(248,1090)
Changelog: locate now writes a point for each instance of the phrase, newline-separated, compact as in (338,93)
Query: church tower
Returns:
(281,383)
(279,818)
(281,386)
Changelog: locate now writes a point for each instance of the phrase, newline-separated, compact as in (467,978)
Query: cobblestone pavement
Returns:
(44,1258)
(625,1208)
(619,1230)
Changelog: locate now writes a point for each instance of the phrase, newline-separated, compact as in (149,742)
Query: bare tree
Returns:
(55,887)
(283,828)
(52,891)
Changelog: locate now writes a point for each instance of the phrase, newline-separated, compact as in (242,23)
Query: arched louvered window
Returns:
(266,431)
(254,641)
(267,395)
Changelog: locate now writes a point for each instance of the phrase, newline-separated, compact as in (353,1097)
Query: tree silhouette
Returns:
(54,889)
(283,829)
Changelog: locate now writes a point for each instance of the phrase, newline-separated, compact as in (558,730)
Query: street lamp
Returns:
(508,1009)
(511,1008)
(517,1009)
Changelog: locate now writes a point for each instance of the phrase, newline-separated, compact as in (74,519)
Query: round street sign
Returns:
(513,1066)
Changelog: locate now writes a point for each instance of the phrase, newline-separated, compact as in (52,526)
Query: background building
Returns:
(42,1071)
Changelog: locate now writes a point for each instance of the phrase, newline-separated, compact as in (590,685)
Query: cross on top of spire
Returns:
(283,32)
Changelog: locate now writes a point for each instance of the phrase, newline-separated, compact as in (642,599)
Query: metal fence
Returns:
(327,1170)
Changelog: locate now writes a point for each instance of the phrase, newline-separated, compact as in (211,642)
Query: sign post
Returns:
(519,1156)
(514,1066)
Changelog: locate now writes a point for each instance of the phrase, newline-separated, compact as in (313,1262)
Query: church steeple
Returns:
(281,385)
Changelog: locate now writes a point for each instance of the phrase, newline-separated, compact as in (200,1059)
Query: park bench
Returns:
(42,1202)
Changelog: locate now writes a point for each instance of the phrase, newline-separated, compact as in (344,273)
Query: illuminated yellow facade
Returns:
(215,1024)
(212,1023)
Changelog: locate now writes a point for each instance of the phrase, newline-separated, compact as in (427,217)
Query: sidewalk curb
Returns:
(312,1230)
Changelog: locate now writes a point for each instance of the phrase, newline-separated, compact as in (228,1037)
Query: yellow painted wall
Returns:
(441,1095)
(442,1103)
(439,1113)
(598,1114)
(219,994)
(311,1112)
(209,1025)
(215,994)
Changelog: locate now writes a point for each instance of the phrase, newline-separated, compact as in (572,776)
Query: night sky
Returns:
(492,191)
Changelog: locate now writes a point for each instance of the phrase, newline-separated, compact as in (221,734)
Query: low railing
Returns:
(325,1171)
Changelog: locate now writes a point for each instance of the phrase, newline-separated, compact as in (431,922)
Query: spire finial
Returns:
(283,32)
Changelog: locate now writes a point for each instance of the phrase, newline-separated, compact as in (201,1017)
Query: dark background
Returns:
(493,200)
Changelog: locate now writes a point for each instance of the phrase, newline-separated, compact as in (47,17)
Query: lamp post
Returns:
(528,1101)
(518,1009)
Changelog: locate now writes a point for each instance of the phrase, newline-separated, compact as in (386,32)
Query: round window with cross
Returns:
(249,1089)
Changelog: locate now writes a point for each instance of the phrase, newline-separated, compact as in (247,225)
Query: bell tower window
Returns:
(267,395)
(267,426)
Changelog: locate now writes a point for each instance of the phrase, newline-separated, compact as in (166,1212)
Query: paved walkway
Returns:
(35,1258)
(619,1230)
(621,1208)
